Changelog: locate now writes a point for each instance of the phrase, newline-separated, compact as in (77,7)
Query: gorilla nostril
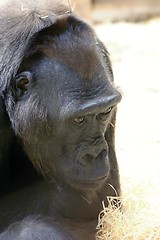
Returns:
(96,152)
(102,154)
(88,158)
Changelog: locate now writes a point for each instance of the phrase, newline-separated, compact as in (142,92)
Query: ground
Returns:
(135,54)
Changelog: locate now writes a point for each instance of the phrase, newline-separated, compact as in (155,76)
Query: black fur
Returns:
(58,112)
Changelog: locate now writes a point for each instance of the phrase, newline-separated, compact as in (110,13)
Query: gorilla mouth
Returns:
(95,171)
(90,184)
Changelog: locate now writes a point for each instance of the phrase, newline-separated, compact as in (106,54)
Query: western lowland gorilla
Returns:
(58,111)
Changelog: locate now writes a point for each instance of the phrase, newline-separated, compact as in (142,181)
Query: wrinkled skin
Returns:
(62,105)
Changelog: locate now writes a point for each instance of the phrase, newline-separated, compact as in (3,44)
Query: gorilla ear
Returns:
(22,83)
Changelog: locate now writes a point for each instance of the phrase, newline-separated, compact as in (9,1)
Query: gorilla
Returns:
(57,114)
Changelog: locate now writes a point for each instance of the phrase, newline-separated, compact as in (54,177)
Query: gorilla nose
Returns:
(98,150)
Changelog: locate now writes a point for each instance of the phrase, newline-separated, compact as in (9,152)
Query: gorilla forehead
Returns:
(72,46)
(59,76)
(82,58)
(68,65)
(67,91)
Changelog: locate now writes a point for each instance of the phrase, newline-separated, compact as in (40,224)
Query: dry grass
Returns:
(137,219)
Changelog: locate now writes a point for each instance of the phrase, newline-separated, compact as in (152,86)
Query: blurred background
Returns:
(130,30)
(99,11)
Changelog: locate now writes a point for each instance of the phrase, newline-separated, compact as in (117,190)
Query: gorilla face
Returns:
(62,109)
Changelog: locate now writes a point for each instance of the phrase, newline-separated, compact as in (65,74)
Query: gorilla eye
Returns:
(79,120)
(103,116)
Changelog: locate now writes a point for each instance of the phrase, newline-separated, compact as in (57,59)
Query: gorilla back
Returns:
(58,89)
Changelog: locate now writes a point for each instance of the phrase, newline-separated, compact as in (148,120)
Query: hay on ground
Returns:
(133,221)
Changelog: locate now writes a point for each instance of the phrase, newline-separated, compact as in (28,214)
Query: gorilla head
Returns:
(64,100)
